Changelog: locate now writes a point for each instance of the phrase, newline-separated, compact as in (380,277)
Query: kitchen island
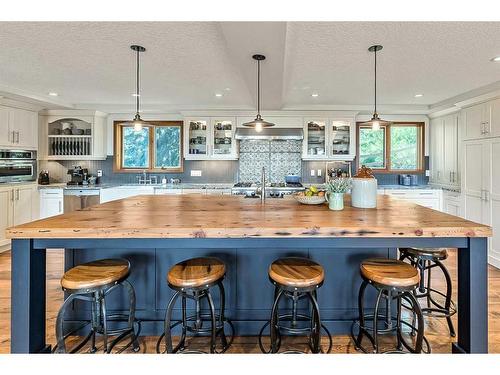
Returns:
(155,232)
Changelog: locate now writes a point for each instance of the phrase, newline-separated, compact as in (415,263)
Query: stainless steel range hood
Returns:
(270,134)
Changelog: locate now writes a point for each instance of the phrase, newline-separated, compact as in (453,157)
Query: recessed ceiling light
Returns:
(418,95)
(218,95)
(53,94)
(314,95)
(136,95)
(496,59)
(227,89)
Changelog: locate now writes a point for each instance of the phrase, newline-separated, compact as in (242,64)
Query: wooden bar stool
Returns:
(394,280)
(193,279)
(424,260)
(295,278)
(92,282)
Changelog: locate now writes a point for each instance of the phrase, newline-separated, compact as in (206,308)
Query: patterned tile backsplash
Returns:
(280,158)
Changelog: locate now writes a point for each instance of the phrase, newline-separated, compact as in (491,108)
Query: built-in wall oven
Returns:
(17,165)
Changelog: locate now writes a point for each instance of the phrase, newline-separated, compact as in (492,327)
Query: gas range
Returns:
(273,189)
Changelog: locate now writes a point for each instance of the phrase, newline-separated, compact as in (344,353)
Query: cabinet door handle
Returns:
(12,197)
(17,139)
(17,194)
(486,197)
(60,206)
(482,127)
(487,127)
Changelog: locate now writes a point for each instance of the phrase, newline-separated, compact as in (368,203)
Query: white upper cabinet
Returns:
(444,159)
(210,138)
(315,140)
(482,120)
(329,139)
(18,128)
(72,135)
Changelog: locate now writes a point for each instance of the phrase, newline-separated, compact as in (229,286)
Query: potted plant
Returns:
(335,190)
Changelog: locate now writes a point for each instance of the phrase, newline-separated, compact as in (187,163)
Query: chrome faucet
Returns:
(263,185)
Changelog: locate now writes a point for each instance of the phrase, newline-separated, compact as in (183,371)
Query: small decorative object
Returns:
(364,189)
(310,196)
(335,190)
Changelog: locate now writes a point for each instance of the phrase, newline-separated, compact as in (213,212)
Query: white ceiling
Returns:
(90,64)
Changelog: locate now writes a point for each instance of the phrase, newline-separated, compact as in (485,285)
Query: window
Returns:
(395,148)
(155,148)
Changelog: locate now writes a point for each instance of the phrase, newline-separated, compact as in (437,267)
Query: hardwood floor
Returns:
(436,329)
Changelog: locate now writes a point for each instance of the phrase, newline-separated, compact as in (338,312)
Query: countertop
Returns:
(202,216)
(155,186)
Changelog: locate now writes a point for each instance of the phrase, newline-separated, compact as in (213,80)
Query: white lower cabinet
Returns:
(51,202)
(121,192)
(452,203)
(5,214)
(19,205)
(430,198)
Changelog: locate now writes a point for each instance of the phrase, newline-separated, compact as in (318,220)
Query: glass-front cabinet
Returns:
(340,139)
(210,138)
(315,138)
(197,137)
(329,139)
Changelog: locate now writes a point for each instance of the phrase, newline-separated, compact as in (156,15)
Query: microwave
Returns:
(17,166)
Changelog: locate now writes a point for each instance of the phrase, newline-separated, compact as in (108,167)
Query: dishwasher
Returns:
(76,199)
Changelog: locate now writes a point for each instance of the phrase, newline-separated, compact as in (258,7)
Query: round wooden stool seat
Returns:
(196,272)
(95,274)
(296,272)
(440,253)
(389,272)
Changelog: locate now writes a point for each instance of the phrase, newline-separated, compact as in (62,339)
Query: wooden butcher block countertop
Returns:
(193,216)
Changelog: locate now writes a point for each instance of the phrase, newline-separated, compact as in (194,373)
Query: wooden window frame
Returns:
(118,144)
(387,154)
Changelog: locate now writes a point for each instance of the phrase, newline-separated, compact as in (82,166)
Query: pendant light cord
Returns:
(375,80)
(258,87)
(137,84)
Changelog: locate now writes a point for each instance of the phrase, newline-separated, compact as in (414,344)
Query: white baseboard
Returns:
(494,260)
(4,248)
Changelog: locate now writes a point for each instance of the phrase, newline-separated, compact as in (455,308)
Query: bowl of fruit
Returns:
(311,195)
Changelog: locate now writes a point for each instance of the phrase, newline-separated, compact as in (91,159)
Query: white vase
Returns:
(364,192)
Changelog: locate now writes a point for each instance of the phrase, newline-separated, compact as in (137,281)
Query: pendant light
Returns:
(375,121)
(258,124)
(137,122)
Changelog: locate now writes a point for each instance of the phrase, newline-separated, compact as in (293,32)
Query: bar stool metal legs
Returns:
(425,261)
(276,323)
(99,321)
(372,326)
(394,282)
(195,323)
